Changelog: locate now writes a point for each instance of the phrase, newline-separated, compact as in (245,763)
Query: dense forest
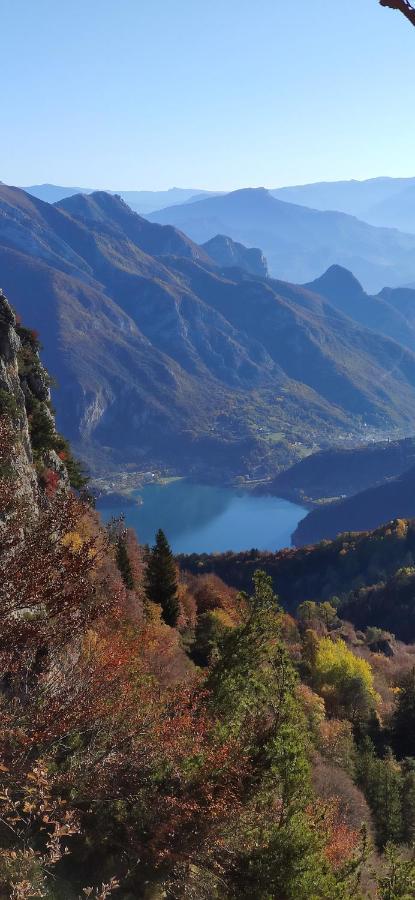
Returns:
(164,735)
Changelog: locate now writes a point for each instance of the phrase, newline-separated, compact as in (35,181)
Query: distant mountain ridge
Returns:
(161,355)
(299,243)
(339,472)
(140,201)
(387,312)
(379,201)
(363,511)
(383,202)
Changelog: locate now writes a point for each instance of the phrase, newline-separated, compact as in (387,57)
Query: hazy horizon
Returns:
(273,94)
(198,187)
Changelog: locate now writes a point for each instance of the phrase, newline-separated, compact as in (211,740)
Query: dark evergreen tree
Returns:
(382,783)
(408,802)
(123,562)
(403,721)
(161,579)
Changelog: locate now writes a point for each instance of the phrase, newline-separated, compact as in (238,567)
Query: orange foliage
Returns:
(341,840)
(211,593)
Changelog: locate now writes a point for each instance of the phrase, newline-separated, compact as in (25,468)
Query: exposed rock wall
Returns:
(23,381)
(12,401)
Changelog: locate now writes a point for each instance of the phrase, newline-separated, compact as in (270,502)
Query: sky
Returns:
(151,94)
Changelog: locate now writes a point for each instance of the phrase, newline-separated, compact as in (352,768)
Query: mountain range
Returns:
(342,472)
(162,355)
(363,511)
(385,202)
(142,202)
(299,243)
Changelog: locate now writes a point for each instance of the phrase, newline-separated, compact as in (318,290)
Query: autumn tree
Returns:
(403,6)
(344,680)
(280,850)
(161,579)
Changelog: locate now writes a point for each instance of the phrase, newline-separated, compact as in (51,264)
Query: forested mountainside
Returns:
(335,473)
(299,243)
(162,735)
(164,358)
(364,510)
(341,570)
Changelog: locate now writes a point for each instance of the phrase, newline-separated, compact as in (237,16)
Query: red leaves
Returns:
(50,482)
(340,841)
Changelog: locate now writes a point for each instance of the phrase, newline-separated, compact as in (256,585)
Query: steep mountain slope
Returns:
(379,313)
(363,511)
(337,472)
(228,253)
(313,343)
(387,202)
(160,356)
(299,243)
(402,300)
(112,221)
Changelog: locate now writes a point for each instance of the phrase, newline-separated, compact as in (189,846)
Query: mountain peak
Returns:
(96,206)
(337,281)
(227,253)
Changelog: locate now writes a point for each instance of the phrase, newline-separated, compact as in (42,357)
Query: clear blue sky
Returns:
(220,94)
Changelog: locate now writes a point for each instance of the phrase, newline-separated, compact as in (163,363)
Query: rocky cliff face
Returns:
(228,253)
(24,393)
(12,402)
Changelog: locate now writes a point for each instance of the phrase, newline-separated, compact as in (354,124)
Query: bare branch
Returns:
(403,6)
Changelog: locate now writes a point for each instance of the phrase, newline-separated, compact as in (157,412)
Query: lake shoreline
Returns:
(206,518)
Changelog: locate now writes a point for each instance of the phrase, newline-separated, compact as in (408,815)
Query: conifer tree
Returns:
(403,720)
(161,579)
(123,562)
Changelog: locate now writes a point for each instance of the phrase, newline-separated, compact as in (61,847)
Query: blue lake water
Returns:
(200,518)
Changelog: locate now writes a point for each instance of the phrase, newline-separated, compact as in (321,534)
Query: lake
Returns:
(200,518)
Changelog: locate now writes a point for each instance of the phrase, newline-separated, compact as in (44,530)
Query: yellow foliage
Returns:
(223,618)
(73,540)
(345,680)
(313,706)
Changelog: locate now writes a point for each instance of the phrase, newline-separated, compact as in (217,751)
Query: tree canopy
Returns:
(403,6)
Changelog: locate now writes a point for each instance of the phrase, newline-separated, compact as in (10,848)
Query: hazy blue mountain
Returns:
(353,197)
(397,211)
(163,357)
(141,201)
(388,202)
(368,509)
(403,300)
(379,313)
(228,253)
(51,193)
(341,472)
(385,202)
(299,243)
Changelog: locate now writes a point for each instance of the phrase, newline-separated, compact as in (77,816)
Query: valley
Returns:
(207,451)
(168,360)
